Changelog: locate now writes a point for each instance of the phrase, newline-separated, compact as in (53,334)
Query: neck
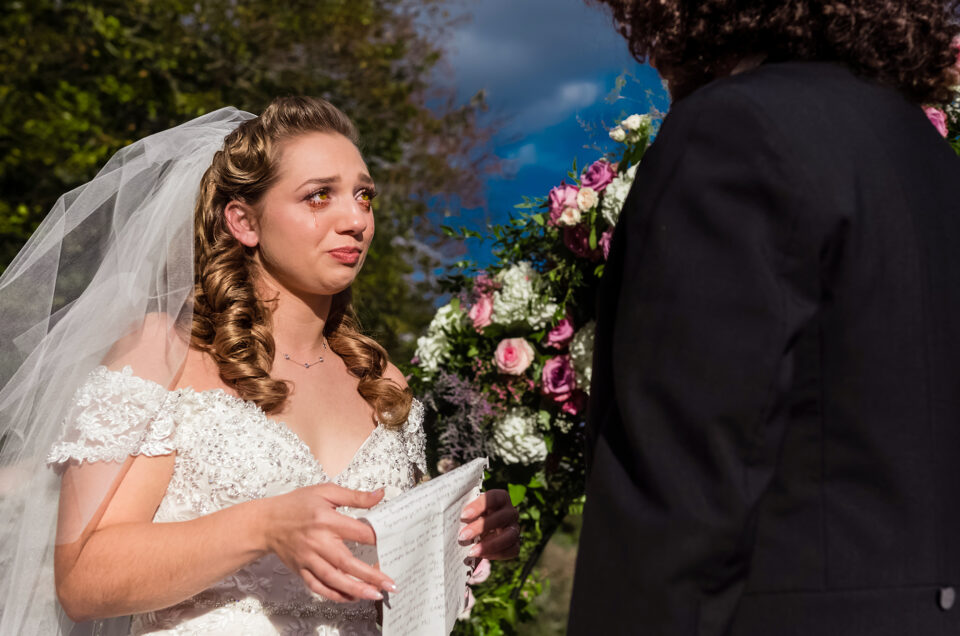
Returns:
(298,319)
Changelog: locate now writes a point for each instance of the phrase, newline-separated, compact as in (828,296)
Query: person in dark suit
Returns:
(774,433)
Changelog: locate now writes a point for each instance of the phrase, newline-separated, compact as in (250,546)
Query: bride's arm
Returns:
(123,563)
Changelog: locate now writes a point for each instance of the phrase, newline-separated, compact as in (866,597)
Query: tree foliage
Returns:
(79,80)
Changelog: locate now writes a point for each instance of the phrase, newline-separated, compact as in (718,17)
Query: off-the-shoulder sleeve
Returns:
(114,415)
(414,439)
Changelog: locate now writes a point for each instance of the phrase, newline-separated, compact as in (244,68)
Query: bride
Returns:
(180,348)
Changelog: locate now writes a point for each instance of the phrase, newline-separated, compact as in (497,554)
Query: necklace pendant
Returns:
(306,365)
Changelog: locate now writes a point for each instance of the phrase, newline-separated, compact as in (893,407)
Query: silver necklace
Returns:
(306,365)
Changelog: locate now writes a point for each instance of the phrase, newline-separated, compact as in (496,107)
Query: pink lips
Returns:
(346,255)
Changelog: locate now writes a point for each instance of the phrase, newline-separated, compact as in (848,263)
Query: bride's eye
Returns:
(366,197)
(318,198)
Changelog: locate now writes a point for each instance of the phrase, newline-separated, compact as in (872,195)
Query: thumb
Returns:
(340,496)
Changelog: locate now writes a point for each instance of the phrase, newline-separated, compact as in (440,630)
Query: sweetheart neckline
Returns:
(278,425)
(284,428)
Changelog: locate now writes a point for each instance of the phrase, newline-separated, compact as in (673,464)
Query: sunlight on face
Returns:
(316,221)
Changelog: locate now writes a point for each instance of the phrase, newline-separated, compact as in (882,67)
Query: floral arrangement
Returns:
(505,366)
(947,120)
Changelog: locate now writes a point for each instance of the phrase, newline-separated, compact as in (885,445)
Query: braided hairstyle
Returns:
(230,322)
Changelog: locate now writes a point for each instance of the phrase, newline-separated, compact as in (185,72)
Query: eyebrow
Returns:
(363,179)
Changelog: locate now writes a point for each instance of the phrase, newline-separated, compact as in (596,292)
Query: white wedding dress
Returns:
(227,452)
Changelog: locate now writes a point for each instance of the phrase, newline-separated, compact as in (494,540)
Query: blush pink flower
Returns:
(481,312)
(576,403)
(938,118)
(513,356)
(606,240)
(562,197)
(559,379)
(599,175)
(561,335)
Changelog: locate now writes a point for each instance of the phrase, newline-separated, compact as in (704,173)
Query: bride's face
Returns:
(315,223)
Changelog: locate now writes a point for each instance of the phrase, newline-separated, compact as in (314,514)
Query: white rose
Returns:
(633,122)
(618,134)
(516,438)
(587,199)
(569,217)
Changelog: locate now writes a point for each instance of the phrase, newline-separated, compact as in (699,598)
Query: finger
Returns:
(497,543)
(317,587)
(497,519)
(352,529)
(487,502)
(344,561)
(340,496)
(504,556)
(341,582)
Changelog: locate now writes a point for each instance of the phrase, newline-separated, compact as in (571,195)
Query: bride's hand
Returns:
(495,520)
(305,531)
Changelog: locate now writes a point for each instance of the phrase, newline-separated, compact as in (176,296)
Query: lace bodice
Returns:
(228,451)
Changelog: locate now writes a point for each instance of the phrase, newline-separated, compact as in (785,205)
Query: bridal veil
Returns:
(111,256)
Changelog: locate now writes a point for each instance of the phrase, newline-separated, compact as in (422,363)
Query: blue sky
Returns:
(548,68)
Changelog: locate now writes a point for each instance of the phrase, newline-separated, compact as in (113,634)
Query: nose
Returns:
(353,219)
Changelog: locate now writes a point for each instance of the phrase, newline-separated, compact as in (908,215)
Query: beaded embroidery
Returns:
(228,451)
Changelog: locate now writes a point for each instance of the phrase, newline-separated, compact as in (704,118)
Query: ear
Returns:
(242,223)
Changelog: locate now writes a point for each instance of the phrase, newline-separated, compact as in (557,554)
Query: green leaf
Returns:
(517,493)
(593,237)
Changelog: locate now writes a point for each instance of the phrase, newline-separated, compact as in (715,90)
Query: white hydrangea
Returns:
(433,349)
(616,193)
(516,438)
(521,298)
(581,355)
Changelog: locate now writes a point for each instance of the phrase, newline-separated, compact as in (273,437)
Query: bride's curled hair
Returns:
(906,44)
(230,322)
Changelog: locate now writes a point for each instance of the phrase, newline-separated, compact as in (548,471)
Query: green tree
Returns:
(79,80)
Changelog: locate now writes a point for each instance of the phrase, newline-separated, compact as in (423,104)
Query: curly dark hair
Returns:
(905,44)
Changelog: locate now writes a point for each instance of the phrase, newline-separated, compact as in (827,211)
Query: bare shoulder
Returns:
(156,348)
(393,373)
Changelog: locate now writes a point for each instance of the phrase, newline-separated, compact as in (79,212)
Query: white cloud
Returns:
(566,100)
(525,155)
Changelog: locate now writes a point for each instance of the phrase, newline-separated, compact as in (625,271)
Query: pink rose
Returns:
(559,380)
(938,118)
(577,240)
(483,285)
(574,406)
(480,573)
(562,197)
(561,335)
(606,240)
(599,175)
(513,356)
(481,312)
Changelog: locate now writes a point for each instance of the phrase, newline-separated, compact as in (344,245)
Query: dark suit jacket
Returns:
(774,438)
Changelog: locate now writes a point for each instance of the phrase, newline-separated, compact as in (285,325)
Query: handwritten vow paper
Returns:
(417,547)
